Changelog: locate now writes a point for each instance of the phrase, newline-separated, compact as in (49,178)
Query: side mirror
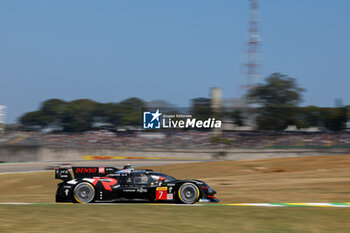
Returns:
(161,179)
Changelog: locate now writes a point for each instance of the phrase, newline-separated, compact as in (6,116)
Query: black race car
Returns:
(109,184)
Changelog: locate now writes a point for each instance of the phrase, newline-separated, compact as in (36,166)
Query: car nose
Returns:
(212,191)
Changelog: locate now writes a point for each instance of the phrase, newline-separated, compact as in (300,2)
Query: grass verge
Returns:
(138,218)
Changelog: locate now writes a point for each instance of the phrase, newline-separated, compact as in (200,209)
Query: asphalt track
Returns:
(40,166)
(313,205)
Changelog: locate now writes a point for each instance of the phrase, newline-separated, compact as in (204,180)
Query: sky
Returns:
(111,50)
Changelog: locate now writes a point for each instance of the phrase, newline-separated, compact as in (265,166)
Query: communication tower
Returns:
(253,66)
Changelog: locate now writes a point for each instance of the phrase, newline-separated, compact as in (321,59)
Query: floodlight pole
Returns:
(2,119)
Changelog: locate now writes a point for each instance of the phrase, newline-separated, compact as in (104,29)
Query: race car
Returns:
(110,184)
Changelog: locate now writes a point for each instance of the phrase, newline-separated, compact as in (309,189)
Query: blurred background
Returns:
(76,76)
(274,73)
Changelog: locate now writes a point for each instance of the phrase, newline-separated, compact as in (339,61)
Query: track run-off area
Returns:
(301,194)
(321,181)
(322,205)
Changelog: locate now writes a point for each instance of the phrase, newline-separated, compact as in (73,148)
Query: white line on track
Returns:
(312,205)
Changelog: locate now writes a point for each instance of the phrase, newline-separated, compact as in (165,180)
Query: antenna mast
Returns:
(254,42)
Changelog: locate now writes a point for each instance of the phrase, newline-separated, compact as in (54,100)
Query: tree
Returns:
(159,104)
(330,118)
(49,115)
(53,110)
(135,103)
(309,116)
(53,106)
(79,115)
(279,90)
(237,117)
(278,98)
(334,118)
(131,111)
(109,113)
(34,120)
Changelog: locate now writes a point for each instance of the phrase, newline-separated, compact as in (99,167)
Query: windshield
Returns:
(155,177)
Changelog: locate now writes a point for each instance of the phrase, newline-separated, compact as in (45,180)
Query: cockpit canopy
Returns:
(143,176)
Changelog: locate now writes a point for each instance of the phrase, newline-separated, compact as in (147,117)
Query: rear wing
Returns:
(83,172)
(63,174)
(89,172)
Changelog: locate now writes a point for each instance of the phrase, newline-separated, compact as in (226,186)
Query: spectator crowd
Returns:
(182,140)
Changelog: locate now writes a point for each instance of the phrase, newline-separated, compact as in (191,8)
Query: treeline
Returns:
(276,104)
(279,118)
(81,115)
(278,100)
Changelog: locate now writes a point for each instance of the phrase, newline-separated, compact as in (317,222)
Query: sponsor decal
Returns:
(66,192)
(89,180)
(142,190)
(62,171)
(101,170)
(115,186)
(106,182)
(118,174)
(86,170)
(170,196)
(161,193)
(129,190)
(72,182)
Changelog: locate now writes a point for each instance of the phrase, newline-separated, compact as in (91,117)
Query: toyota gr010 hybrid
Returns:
(109,184)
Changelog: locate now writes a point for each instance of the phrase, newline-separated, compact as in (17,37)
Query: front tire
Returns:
(188,193)
(84,192)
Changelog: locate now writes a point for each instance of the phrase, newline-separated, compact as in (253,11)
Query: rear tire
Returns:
(188,193)
(84,192)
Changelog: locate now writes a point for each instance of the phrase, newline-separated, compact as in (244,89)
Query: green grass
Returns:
(149,218)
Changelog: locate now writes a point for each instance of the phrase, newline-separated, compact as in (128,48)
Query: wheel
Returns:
(188,193)
(84,192)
